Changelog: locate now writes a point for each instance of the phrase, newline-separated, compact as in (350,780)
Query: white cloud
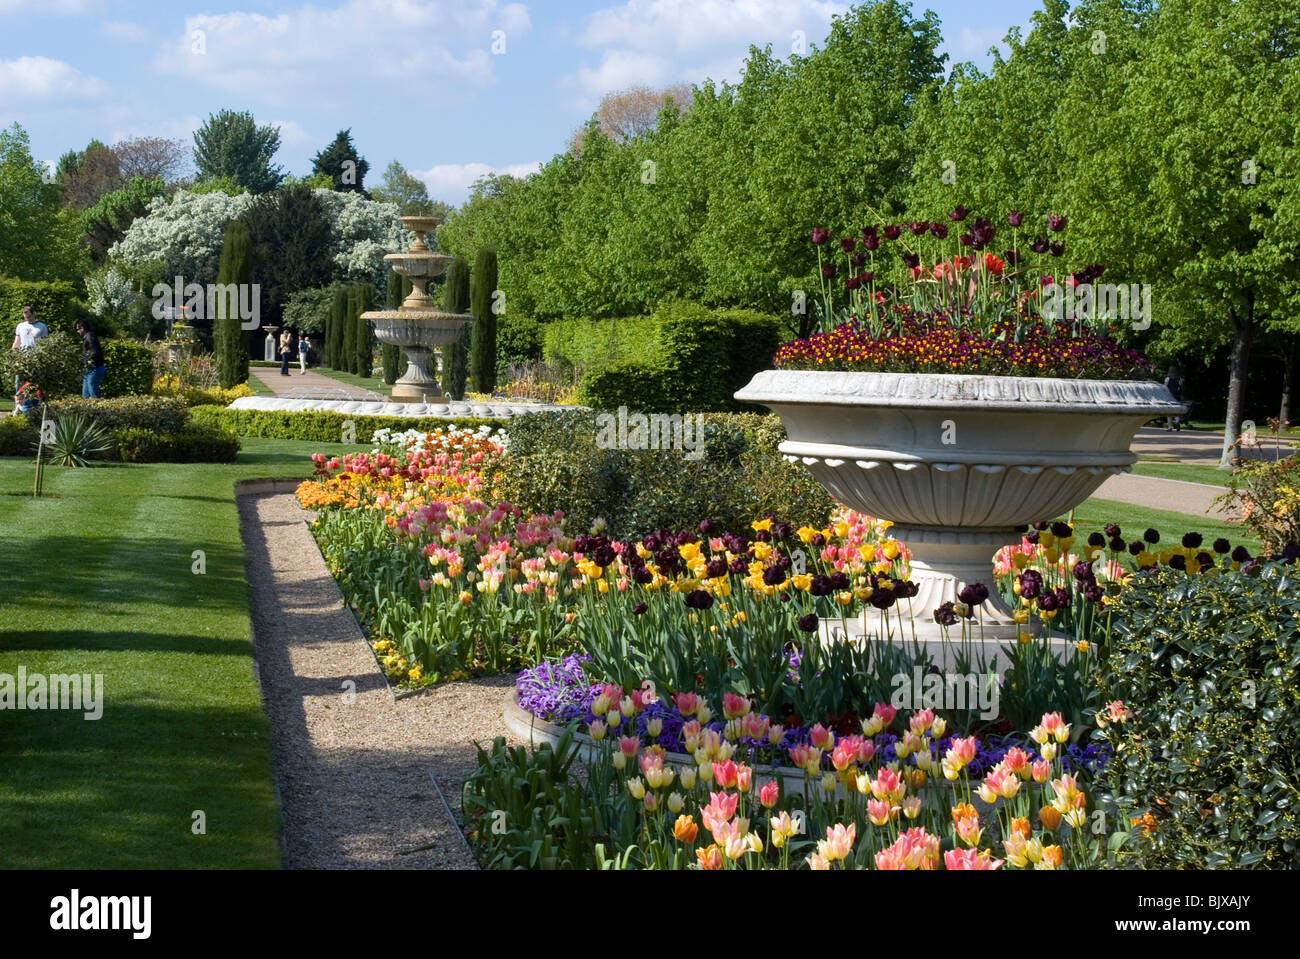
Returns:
(450,182)
(292,135)
(421,50)
(974,44)
(125,32)
(657,42)
(32,81)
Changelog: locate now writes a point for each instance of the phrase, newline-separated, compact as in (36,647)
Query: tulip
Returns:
(879,812)
(629,745)
(675,802)
(1055,223)
(1041,770)
(636,787)
(1050,817)
(839,841)
(724,774)
(818,862)
(734,706)
(618,761)
(710,858)
(821,737)
(820,236)
(1014,218)
(974,859)
(706,772)
(829,782)
(768,794)
(597,730)
(687,777)
(744,778)
(685,829)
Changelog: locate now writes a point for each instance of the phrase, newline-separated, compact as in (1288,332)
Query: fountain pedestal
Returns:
(416,327)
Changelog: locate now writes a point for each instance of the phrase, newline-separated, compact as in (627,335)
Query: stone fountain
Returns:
(417,327)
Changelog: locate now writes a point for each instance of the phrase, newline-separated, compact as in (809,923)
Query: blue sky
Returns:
(416,80)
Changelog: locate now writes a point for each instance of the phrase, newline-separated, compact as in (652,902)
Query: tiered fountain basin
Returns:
(957,462)
(440,409)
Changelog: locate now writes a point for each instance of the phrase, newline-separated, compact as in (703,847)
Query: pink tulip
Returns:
(768,794)
(821,737)
(629,745)
(687,703)
(734,706)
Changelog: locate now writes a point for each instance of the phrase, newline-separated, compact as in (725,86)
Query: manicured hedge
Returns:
(17,436)
(590,343)
(702,358)
(55,303)
(193,444)
(128,368)
(161,414)
(320,427)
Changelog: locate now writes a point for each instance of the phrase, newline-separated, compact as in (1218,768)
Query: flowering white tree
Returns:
(112,294)
(364,231)
(183,233)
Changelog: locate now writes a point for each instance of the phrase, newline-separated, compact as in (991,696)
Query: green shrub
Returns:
(162,414)
(307,310)
(703,356)
(76,440)
(18,436)
(583,344)
(53,363)
(519,340)
(229,338)
(128,368)
(55,303)
(1209,666)
(319,426)
(193,444)
(1266,494)
(559,461)
(455,358)
(483,337)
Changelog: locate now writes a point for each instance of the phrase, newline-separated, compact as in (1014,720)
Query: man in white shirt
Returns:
(26,333)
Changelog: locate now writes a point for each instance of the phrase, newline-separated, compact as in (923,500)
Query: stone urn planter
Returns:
(957,462)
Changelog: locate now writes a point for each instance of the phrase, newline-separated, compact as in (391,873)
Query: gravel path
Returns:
(353,776)
(1194,499)
(280,385)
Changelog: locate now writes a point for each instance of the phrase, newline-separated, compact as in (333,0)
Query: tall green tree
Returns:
(229,339)
(232,145)
(38,240)
(292,238)
(409,193)
(394,364)
(455,299)
(348,359)
(483,336)
(365,333)
(342,163)
(107,221)
(334,329)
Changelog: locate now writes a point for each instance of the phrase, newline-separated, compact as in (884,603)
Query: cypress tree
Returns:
(365,332)
(483,337)
(348,358)
(338,315)
(455,299)
(394,365)
(236,266)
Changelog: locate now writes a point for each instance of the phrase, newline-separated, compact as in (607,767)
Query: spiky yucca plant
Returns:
(76,440)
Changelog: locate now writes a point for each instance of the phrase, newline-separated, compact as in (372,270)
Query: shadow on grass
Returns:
(101,640)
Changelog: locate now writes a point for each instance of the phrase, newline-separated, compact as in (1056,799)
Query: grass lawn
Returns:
(1093,514)
(375,384)
(258,387)
(1188,473)
(97,579)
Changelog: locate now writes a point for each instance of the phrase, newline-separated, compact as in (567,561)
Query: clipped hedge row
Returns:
(193,444)
(703,357)
(581,462)
(54,301)
(321,426)
(161,414)
(17,436)
(591,343)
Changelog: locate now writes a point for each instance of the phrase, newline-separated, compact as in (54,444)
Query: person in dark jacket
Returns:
(92,355)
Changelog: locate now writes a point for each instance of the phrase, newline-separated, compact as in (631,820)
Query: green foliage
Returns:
(37,239)
(107,221)
(18,436)
(193,444)
(581,344)
(229,341)
(128,368)
(340,161)
(394,362)
(54,301)
(703,357)
(307,311)
(558,461)
(334,331)
(158,414)
(291,242)
(409,193)
(218,184)
(483,337)
(76,440)
(348,359)
(455,358)
(231,146)
(365,333)
(1208,664)
(53,363)
(519,340)
(320,426)
(1267,494)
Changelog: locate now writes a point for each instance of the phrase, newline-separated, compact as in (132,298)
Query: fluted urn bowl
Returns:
(957,461)
(418,333)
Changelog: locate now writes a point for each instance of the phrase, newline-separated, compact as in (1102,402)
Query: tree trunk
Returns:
(1288,377)
(1241,331)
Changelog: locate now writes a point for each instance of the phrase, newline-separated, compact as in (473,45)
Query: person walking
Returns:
(92,355)
(304,348)
(26,333)
(1174,384)
(285,342)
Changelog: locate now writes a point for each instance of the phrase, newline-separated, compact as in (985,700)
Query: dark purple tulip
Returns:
(739,566)
(1135,547)
(820,236)
(1046,602)
(1011,257)
(1055,222)
(1039,245)
(839,580)
(699,599)
(829,270)
(782,531)
(1178,561)
(848,243)
(892,231)
(639,608)
(642,576)
(964,239)
(973,594)
(940,230)
(870,243)
(716,567)
(707,527)
(1221,545)
(912,260)
(869,231)
(1041,525)
(1096,539)
(773,576)
(1192,540)
(866,277)
(883,598)
(857,259)
(944,615)
(1056,249)
(808,623)
(1116,544)
(918,227)
(818,541)
(1151,536)
(1205,559)
(820,585)
(1093,593)
(1083,570)
(1014,218)
(981,223)
(1240,554)
(1031,583)
(1032,536)
(852,282)
(958,213)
